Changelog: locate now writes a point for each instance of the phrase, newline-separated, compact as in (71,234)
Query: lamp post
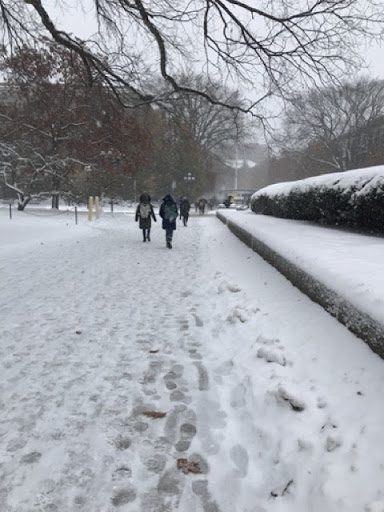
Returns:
(240,163)
(188,179)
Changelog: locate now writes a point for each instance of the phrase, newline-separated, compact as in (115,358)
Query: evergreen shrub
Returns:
(352,199)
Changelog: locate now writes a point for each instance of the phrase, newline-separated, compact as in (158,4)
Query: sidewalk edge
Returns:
(359,323)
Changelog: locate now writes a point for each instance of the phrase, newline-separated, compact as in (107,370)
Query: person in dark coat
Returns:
(184,210)
(144,213)
(169,213)
(202,203)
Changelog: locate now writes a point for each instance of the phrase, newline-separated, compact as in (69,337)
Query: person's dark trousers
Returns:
(146,235)
(168,237)
(169,233)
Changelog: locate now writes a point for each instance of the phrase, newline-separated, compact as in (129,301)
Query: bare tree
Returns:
(172,154)
(58,127)
(265,48)
(31,175)
(205,130)
(325,126)
(211,126)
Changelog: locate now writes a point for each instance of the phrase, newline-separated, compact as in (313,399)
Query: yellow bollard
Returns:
(90,207)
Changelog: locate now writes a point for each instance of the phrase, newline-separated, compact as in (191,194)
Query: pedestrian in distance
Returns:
(202,203)
(144,214)
(169,213)
(185,206)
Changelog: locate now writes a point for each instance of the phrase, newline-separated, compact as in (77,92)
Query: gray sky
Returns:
(375,60)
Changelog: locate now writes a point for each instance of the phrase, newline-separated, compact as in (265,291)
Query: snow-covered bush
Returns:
(352,198)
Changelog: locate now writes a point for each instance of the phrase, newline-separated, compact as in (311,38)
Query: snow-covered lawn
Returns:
(278,406)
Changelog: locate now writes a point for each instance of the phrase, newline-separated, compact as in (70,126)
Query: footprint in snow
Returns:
(333,442)
(225,286)
(238,314)
(271,356)
(284,396)
(187,433)
(123,496)
(239,457)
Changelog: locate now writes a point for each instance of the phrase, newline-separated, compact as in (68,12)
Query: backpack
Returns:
(169,211)
(145,210)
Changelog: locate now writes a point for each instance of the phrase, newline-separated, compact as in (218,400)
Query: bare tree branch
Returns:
(262,49)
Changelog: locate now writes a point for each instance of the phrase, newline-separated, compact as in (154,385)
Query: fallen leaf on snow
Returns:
(187,466)
(154,414)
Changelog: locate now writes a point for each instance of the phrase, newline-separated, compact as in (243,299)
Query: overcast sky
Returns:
(375,59)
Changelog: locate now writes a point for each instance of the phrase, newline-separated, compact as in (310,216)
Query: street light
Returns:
(237,167)
(188,178)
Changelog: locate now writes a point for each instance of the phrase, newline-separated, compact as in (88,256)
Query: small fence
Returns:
(93,210)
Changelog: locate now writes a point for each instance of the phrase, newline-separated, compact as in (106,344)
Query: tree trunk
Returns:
(55,201)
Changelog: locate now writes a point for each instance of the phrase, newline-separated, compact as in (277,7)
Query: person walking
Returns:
(169,213)
(144,213)
(184,210)
(202,203)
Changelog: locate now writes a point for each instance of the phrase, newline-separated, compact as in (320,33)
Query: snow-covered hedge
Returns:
(352,198)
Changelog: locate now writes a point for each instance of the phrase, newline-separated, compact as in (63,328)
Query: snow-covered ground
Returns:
(268,403)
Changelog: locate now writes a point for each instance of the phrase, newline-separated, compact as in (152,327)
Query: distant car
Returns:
(241,207)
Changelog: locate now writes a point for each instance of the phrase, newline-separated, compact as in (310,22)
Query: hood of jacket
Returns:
(168,199)
(145,198)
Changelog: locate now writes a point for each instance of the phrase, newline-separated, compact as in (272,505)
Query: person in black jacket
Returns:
(144,213)
(169,213)
(184,210)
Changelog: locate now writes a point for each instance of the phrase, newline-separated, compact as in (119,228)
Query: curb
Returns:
(359,323)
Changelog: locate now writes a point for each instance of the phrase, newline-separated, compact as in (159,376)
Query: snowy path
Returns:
(99,328)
